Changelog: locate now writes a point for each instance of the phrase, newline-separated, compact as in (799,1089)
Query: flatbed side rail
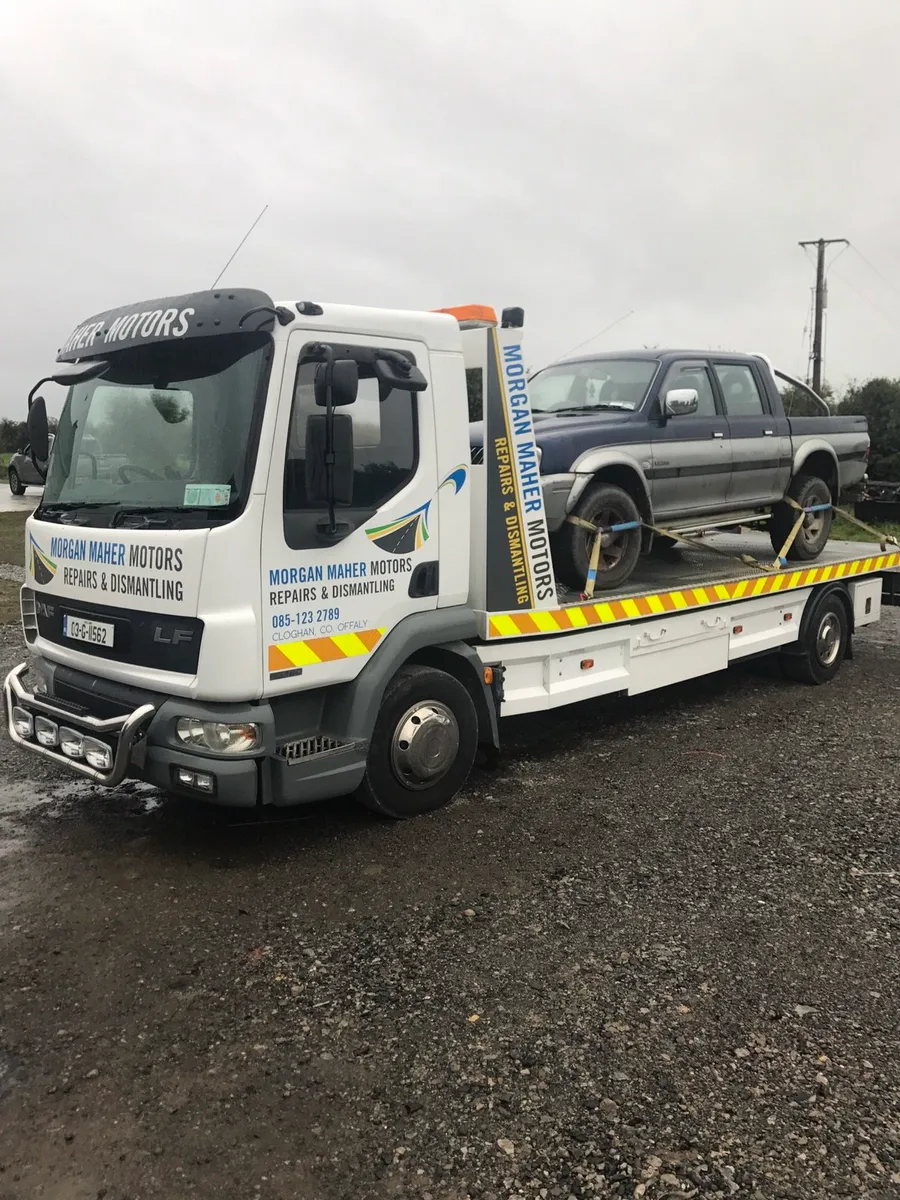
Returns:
(580,616)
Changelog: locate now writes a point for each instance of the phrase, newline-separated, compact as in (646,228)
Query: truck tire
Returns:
(600,504)
(16,486)
(423,744)
(810,541)
(824,641)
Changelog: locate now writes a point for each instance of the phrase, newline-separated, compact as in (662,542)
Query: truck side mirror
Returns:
(396,372)
(681,402)
(339,489)
(344,379)
(38,432)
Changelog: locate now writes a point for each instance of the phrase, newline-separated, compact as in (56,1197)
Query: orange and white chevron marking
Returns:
(582,616)
(288,656)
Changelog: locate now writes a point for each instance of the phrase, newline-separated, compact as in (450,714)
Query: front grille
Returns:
(29,615)
(311,747)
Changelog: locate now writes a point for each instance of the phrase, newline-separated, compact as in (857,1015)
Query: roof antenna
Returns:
(238,246)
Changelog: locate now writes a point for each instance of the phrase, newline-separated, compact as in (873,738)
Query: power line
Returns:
(238,246)
(884,279)
(601,332)
(893,319)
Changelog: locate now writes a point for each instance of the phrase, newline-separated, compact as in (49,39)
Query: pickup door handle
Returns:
(718,433)
(769,432)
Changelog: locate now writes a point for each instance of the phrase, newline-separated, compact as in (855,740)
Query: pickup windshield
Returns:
(607,384)
(167,428)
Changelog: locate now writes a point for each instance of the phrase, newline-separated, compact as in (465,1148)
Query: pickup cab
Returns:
(687,441)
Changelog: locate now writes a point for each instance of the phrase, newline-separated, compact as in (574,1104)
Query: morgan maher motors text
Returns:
(101,558)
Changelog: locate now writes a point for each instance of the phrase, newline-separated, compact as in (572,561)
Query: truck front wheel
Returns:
(602,504)
(423,744)
(808,491)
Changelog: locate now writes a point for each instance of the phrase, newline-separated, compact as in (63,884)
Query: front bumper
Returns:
(296,762)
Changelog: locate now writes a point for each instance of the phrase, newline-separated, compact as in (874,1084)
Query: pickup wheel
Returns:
(600,504)
(16,486)
(809,543)
(823,644)
(423,745)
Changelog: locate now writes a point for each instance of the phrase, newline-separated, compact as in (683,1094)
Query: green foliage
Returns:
(878,400)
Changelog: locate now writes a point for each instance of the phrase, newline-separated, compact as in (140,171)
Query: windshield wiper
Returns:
(575,409)
(160,514)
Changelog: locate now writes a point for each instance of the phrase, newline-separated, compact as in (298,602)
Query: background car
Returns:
(22,473)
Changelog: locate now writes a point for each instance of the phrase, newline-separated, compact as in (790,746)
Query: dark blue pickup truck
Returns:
(685,440)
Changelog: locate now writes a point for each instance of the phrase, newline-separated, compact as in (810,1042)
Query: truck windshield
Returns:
(594,385)
(168,427)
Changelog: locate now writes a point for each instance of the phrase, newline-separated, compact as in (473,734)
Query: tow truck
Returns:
(267,569)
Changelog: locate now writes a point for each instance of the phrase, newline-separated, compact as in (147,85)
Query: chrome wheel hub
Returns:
(425,744)
(828,639)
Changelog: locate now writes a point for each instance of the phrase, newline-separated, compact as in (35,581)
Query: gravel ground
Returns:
(652,955)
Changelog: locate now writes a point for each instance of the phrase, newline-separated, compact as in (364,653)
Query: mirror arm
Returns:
(328,355)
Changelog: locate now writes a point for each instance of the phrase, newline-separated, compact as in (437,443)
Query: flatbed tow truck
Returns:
(266,570)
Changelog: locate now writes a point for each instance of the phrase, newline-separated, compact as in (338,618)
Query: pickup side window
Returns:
(385,444)
(742,398)
(691,375)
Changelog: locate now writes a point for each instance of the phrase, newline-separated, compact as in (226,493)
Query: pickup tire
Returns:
(16,486)
(423,744)
(809,543)
(600,504)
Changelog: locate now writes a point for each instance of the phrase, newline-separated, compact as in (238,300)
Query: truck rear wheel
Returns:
(600,504)
(823,644)
(423,745)
(16,486)
(809,543)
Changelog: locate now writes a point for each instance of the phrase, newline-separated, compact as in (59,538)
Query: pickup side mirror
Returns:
(339,488)
(38,432)
(344,378)
(681,402)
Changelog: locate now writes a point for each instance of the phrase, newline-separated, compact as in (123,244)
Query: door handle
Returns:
(769,432)
(718,433)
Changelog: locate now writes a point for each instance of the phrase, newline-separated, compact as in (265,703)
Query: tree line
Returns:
(14,434)
(878,400)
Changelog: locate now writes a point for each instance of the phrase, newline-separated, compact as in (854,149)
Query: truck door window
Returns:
(742,398)
(385,445)
(691,375)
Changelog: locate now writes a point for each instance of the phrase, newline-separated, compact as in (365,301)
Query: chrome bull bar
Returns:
(125,731)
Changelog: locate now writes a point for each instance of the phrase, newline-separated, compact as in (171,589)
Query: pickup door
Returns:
(691,468)
(760,439)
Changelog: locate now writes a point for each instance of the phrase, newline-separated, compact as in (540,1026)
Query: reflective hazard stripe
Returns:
(581,616)
(287,656)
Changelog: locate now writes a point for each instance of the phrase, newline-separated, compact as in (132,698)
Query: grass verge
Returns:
(845,531)
(9,602)
(12,538)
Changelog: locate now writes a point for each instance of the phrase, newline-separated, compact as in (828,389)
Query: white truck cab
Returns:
(265,570)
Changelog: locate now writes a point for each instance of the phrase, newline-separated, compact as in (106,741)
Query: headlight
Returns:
(217,735)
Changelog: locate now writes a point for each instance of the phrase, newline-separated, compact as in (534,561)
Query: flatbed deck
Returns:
(687,578)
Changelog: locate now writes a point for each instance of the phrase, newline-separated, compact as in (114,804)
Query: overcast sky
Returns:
(582,158)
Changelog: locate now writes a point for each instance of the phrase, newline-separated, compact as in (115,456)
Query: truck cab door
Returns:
(328,600)
(761,442)
(691,454)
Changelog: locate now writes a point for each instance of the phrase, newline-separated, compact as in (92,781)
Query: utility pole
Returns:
(821,302)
